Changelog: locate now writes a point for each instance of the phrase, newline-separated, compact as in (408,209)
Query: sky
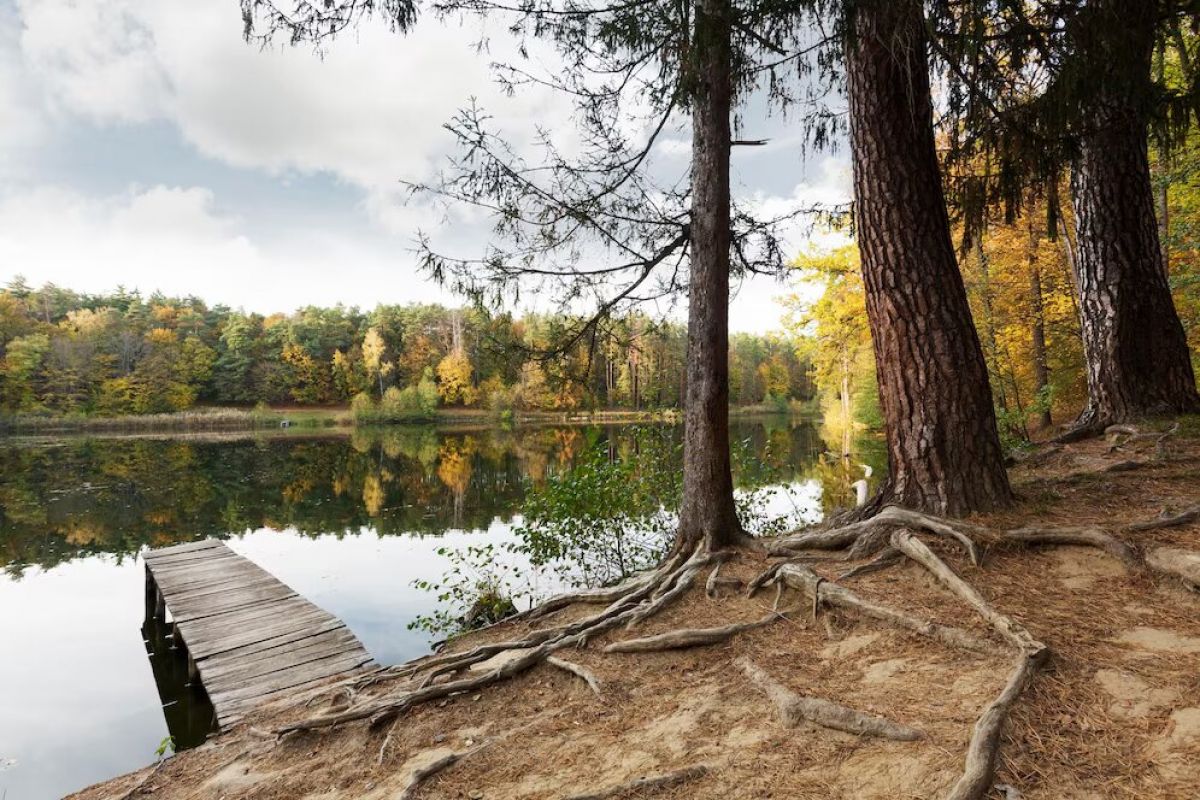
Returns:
(144,143)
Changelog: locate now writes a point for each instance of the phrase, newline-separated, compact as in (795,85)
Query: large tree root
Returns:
(638,787)
(1184,518)
(868,536)
(873,537)
(907,543)
(688,637)
(980,767)
(1083,536)
(583,673)
(645,599)
(426,772)
(888,557)
(984,749)
(794,708)
(824,592)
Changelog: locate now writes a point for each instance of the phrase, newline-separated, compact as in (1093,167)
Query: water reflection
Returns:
(186,709)
(347,521)
(87,496)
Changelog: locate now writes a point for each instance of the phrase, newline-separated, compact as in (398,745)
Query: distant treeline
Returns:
(120,353)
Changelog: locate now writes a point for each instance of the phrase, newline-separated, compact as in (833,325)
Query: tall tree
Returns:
(1137,355)
(596,226)
(943,447)
(1039,87)
(707,514)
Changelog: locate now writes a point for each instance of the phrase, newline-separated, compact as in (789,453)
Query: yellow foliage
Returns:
(454,380)
(373,494)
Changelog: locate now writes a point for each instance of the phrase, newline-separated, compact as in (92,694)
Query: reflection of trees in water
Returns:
(84,496)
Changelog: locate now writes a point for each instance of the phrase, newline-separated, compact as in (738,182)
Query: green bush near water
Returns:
(418,403)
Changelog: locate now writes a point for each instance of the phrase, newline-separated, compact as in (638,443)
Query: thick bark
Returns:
(943,447)
(1134,345)
(708,514)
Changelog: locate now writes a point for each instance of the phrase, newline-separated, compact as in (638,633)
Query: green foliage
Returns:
(167,745)
(607,517)
(1014,432)
(119,354)
(411,404)
(610,516)
(479,589)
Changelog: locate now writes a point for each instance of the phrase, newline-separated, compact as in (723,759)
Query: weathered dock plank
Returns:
(249,635)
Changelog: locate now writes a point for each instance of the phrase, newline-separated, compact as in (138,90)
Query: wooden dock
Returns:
(249,636)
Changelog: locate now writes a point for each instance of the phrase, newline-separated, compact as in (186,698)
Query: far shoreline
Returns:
(222,421)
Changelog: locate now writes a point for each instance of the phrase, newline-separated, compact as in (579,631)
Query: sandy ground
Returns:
(1115,715)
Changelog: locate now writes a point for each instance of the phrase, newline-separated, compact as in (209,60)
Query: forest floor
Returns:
(1115,712)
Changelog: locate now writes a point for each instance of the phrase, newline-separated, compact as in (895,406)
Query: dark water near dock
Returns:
(348,521)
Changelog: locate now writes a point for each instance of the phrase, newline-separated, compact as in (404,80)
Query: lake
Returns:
(349,520)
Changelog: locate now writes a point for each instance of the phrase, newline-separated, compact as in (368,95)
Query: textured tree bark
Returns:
(708,515)
(943,447)
(1134,344)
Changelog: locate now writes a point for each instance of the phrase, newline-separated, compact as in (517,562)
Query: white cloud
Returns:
(21,123)
(370,110)
(175,240)
(756,303)
(95,59)
(369,113)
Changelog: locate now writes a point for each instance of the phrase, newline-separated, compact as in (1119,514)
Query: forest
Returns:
(120,353)
(1007,609)
(1021,283)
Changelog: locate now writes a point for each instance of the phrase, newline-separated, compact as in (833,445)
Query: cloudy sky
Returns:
(143,143)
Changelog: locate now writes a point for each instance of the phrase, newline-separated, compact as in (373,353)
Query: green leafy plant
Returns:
(478,590)
(608,517)
(167,745)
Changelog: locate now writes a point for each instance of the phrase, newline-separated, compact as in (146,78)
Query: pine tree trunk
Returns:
(708,514)
(1134,345)
(943,448)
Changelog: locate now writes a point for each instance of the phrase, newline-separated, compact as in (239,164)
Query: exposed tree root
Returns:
(982,752)
(1089,537)
(638,788)
(870,535)
(884,539)
(907,543)
(873,536)
(712,586)
(980,767)
(794,708)
(585,674)
(1121,436)
(642,601)
(1184,518)
(825,592)
(888,557)
(668,592)
(609,594)
(687,637)
(426,772)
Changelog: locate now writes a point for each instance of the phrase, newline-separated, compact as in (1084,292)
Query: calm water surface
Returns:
(349,521)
